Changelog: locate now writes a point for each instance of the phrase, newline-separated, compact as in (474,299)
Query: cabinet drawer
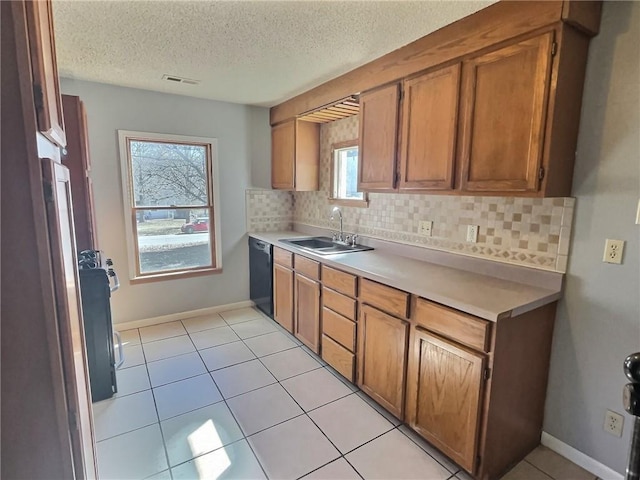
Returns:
(458,326)
(385,298)
(337,302)
(282,257)
(339,281)
(307,267)
(339,328)
(338,357)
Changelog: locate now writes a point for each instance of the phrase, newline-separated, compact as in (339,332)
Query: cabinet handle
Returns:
(116,282)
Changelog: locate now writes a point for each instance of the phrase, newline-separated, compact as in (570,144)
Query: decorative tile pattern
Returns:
(533,232)
(269,210)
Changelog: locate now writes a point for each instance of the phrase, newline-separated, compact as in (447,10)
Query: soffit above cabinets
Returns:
(248,52)
(347,107)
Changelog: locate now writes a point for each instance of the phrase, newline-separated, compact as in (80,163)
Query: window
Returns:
(171,203)
(344,175)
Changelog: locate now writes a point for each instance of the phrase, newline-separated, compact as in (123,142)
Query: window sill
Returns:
(349,203)
(159,277)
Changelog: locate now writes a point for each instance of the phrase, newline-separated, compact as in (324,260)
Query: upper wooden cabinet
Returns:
(429,125)
(44,69)
(489,105)
(504,106)
(295,155)
(378,139)
(77,160)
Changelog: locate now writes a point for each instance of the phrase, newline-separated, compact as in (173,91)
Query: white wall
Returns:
(598,322)
(243,135)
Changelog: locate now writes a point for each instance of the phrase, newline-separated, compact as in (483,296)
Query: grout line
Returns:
(164,443)
(434,458)
(232,415)
(128,431)
(536,467)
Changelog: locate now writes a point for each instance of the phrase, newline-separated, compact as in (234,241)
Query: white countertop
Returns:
(484,296)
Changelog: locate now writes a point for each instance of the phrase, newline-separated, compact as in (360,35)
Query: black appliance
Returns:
(97,281)
(631,401)
(261,275)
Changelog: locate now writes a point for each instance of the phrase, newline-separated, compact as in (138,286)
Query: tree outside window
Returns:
(170,187)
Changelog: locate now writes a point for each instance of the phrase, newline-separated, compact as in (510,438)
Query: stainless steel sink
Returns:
(324,245)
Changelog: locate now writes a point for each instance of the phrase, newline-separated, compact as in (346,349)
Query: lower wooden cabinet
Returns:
(338,357)
(444,387)
(382,358)
(283,296)
(306,325)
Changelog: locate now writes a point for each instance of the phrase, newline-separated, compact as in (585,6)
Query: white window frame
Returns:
(129,203)
(333,199)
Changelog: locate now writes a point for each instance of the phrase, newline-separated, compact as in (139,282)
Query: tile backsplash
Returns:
(269,210)
(532,232)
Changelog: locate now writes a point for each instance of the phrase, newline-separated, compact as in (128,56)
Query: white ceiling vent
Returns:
(176,79)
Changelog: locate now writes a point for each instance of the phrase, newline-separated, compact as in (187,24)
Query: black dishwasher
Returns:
(261,275)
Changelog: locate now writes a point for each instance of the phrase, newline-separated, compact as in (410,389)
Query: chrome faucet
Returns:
(336,210)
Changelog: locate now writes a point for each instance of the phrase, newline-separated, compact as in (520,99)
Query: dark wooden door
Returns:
(69,315)
(44,68)
(77,160)
(504,105)
(429,126)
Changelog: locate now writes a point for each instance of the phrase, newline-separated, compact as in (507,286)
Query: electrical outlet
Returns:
(425,227)
(613,423)
(472,233)
(613,251)
(638,214)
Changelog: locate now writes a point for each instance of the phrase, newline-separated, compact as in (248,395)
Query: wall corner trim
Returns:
(579,458)
(146,322)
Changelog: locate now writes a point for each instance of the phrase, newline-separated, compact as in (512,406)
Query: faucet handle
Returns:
(354,239)
(334,236)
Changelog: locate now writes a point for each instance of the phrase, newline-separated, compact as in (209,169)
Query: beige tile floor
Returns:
(234,396)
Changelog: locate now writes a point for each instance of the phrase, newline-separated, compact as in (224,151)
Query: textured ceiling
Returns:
(249,52)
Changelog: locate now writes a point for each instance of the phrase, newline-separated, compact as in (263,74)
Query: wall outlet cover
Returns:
(638,214)
(472,233)
(613,250)
(613,423)
(425,227)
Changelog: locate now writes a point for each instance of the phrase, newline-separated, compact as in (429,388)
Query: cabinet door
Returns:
(378,139)
(307,156)
(307,312)
(283,148)
(283,296)
(382,358)
(69,316)
(429,123)
(44,67)
(504,104)
(443,396)
(77,160)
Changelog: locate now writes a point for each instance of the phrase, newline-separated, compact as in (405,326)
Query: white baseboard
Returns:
(181,315)
(579,458)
